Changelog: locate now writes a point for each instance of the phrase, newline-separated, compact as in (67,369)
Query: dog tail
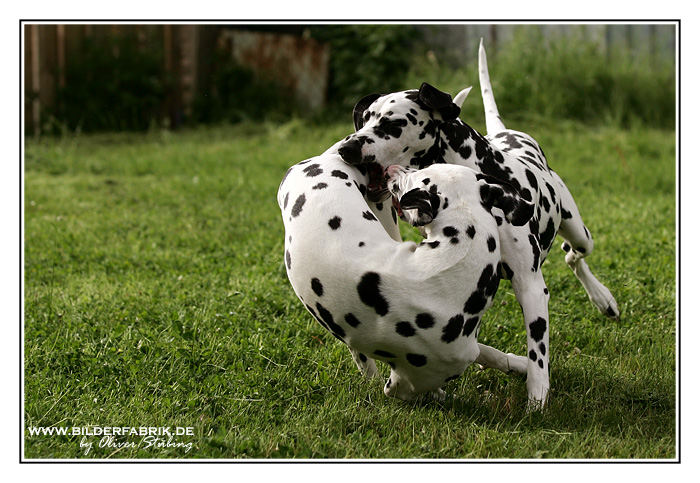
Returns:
(494,124)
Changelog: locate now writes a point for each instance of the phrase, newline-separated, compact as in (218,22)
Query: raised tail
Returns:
(493,120)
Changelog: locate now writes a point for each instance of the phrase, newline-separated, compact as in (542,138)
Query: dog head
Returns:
(399,128)
(421,195)
(416,202)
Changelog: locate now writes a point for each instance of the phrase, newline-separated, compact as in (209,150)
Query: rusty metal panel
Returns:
(298,63)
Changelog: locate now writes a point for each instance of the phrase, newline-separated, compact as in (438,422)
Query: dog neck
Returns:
(425,157)
(450,220)
(461,144)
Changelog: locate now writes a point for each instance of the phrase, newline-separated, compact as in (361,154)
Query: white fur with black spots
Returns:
(416,307)
(420,128)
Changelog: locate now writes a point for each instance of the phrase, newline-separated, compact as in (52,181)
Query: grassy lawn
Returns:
(156,295)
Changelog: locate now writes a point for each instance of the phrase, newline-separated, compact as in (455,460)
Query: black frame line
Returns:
(677,23)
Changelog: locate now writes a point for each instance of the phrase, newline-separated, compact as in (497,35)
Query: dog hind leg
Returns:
(529,288)
(577,245)
(532,295)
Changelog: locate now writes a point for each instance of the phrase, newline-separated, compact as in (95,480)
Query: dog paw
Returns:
(611,310)
(605,302)
(537,398)
(517,363)
(535,405)
(438,394)
(537,389)
(370,370)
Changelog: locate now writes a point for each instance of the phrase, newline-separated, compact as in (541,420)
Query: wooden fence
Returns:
(187,52)
(458,44)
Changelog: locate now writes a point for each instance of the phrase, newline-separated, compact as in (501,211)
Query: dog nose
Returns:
(351,151)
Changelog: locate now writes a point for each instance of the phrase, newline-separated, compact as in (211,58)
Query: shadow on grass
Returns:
(578,401)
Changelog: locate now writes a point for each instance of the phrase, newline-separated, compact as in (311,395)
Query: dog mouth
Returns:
(397,206)
(376,183)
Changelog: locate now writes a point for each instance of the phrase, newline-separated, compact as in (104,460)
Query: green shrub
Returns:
(235,93)
(117,84)
(366,59)
(565,78)
(113,85)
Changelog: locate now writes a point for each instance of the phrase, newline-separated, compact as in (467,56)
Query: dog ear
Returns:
(439,101)
(497,193)
(421,200)
(361,107)
(461,96)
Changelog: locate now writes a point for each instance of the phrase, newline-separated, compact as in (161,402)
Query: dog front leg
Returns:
(495,359)
(386,214)
(366,365)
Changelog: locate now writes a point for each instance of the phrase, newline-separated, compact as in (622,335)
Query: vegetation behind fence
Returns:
(108,77)
(565,77)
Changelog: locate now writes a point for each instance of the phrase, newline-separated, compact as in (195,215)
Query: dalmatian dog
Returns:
(418,128)
(416,307)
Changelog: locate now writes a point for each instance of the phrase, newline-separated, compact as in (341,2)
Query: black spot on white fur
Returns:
(327,317)
(339,174)
(317,287)
(425,321)
(454,326)
(298,205)
(491,243)
(469,325)
(405,329)
(475,303)
(351,320)
(417,360)
(313,170)
(449,231)
(334,222)
(538,328)
(370,292)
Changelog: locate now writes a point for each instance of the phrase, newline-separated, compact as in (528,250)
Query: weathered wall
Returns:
(296,62)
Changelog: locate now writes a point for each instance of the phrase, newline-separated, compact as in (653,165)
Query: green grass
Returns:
(156,295)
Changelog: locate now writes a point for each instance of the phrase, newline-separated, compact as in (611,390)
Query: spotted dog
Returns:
(396,301)
(419,128)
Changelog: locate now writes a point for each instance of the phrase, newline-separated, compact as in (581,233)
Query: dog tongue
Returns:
(395,202)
